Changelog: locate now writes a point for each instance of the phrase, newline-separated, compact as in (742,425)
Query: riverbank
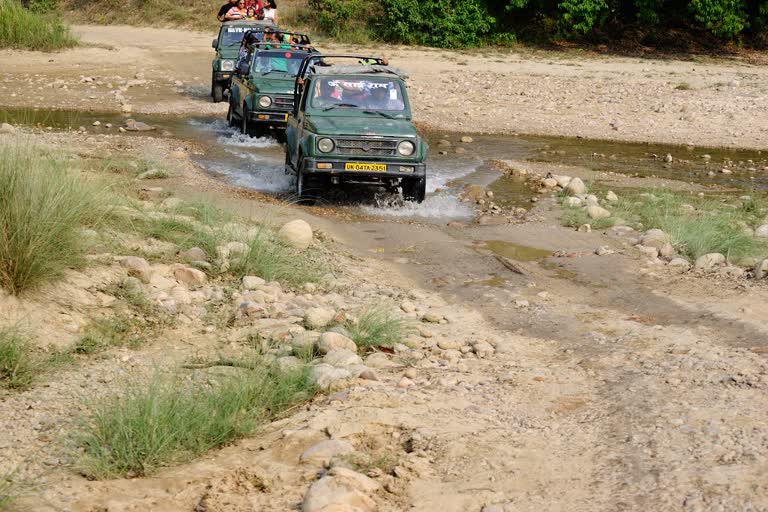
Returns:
(714,103)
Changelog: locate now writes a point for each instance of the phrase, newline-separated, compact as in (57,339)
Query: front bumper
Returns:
(269,117)
(222,76)
(338,169)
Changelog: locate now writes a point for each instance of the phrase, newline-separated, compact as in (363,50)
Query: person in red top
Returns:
(256,4)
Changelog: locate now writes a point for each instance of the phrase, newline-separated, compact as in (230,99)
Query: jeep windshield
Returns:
(233,36)
(283,61)
(367,95)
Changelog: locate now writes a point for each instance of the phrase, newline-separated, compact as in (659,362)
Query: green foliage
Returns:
(346,20)
(42,205)
(724,18)
(108,332)
(34,28)
(6,491)
(18,368)
(581,16)
(377,326)
(170,419)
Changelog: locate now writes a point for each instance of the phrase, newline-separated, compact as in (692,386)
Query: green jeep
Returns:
(352,124)
(261,94)
(227,46)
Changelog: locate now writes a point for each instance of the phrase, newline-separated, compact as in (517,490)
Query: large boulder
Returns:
(341,358)
(655,238)
(340,491)
(325,376)
(317,317)
(597,212)
(576,187)
(191,277)
(330,341)
(137,267)
(7,128)
(296,233)
(709,261)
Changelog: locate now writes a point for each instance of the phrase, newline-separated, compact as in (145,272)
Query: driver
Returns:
(384,98)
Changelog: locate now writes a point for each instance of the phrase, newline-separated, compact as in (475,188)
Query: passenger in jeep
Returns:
(237,12)
(225,9)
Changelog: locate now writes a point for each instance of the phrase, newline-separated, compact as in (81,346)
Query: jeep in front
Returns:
(352,125)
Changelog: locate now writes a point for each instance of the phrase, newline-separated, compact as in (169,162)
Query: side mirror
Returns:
(243,68)
(215,44)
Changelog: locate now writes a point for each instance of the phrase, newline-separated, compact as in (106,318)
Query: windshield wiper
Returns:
(382,114)
(329,107)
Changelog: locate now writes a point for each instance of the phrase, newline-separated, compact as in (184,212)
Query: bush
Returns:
(32,29)
(724,18)
(170,420)
(377,327)
(18,368)
(42,205)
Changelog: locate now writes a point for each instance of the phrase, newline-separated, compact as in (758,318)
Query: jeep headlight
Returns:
(227,65)
(406,148)
(325,145)
(265,101)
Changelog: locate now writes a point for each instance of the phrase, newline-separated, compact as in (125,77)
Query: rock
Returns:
(709,261)
(368,374)
(726,171)
(132,284)
(444,143)
(651,252)
(126,109)
(322,452)
(761,231)
(121,129)
(341,357)
(288,363)
(597,212)
(405,382)
(231,249)
(549,182)
(562,181)
(330,341)
(483,349)
(611,197)
(137,267)
(460,151)
(137,126)
(181,295)
(667,251)
(191,277)
(296,233)
(576,187)
(318,317)
(655,238)
(668,158)
(7,128)
(761,269)
(339,494)
(585,228)
(194,254)
(170,203)
(572,202)
(252,282)
(327,377)
(679,262)
(432,317)
(473,192)
(152,174)
(379,360)
(447,345)
(604,251)
(466,139)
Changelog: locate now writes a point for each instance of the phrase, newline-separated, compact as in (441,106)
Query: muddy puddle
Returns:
(258,163)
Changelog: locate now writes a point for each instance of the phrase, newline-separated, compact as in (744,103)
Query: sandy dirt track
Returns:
(701,102)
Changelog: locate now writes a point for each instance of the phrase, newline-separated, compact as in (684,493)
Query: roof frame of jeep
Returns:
(293,47)
(279,33)
(311,59)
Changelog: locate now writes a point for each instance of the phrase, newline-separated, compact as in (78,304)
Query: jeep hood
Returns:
(229,52)
(361,126)
(273,85)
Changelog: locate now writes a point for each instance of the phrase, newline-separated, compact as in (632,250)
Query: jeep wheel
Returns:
(231,120)
(217,92)
(414,189)
(300,183)
(244,128)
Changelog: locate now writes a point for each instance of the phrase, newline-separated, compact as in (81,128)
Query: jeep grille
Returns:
(366,147)
(286,103)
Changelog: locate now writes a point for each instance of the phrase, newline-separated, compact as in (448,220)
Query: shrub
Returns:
(170,420)
(377,327)
(18,368)
(32,29)
(42,205)
(724,18)
(581,16)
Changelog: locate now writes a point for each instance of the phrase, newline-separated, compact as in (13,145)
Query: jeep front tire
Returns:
(414,189)
(217,90)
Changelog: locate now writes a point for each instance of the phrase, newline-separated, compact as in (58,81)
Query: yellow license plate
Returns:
(354,166)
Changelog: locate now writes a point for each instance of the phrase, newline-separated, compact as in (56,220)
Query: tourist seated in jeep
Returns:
(351,124)
(225,9)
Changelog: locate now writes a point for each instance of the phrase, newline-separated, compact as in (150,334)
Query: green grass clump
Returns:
(108,332)
(18,367)
(27,29)
(377,326)
(170,420)
(42,205)
(6,491)
(696,226)
(269,259)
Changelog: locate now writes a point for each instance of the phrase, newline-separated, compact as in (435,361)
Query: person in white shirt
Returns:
(270,11)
